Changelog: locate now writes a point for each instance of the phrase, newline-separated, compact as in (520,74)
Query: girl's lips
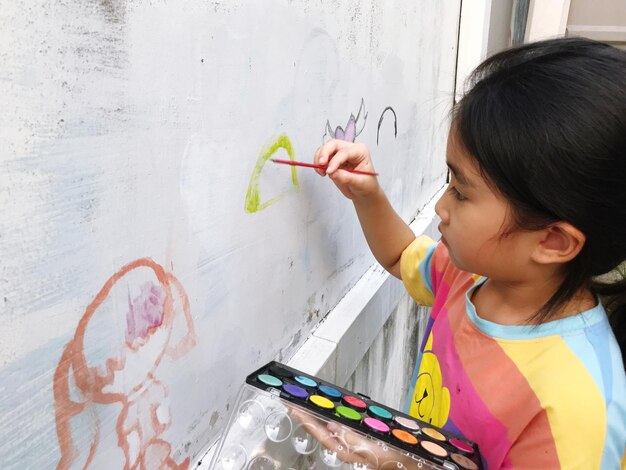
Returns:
(443,239)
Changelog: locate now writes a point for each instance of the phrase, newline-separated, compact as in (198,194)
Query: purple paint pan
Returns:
(295,391)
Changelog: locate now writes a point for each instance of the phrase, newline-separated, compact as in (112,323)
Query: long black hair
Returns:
(546,123)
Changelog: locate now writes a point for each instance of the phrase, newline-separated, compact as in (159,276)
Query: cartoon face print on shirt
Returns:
(431,400)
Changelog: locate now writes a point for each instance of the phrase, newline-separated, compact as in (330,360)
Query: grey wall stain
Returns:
(113,10)
(214,419)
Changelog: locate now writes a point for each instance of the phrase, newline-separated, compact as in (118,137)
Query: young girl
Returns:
(518,355)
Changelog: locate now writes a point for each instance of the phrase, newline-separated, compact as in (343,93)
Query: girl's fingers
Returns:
(316,160)
(343,177)
(321,156)
(348,446)
(353,156)
(337,156)
(329,150)
(338,160)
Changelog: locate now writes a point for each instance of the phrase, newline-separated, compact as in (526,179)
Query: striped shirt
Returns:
(539,396)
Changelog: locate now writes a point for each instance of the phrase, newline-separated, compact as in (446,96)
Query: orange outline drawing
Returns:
(78,387)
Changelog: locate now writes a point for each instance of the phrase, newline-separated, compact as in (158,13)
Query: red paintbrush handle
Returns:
(321,167)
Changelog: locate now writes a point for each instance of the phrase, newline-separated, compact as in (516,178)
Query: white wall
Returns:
(473,40)
(602,20)
(138,283)
(500,23)
(546,19)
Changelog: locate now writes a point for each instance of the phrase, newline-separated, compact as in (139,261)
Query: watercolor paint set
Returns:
(285,419)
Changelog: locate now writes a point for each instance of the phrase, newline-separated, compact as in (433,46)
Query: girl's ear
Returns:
(559,243)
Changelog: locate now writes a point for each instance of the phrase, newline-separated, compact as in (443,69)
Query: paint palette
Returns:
(287,420)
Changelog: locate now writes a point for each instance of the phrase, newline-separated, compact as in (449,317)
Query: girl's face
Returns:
(475,222)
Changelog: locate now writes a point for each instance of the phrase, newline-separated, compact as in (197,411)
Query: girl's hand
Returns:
(352,448)
(338,154)
(346,445)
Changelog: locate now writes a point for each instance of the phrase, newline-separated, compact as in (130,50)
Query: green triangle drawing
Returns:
(253,196)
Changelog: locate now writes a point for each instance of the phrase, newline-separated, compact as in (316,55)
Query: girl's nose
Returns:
(440,209)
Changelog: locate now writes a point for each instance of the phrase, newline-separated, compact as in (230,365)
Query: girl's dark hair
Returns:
(546,123)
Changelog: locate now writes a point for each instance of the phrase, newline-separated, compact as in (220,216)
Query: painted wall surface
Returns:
(151,256)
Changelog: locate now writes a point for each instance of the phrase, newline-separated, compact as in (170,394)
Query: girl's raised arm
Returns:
(386,233)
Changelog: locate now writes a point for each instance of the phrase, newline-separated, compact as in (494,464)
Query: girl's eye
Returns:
(457,194)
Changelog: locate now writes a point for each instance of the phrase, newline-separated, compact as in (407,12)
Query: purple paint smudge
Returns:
(145,312)
(353,127)
(350,133)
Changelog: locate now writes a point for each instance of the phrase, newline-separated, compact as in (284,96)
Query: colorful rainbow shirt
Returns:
(539,396)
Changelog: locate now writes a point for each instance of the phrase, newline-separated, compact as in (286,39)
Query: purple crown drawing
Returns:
(353,128)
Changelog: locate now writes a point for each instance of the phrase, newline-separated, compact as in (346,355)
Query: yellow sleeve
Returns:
(414,268)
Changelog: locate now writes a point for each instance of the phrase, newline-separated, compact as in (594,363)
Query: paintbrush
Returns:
(321,167)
